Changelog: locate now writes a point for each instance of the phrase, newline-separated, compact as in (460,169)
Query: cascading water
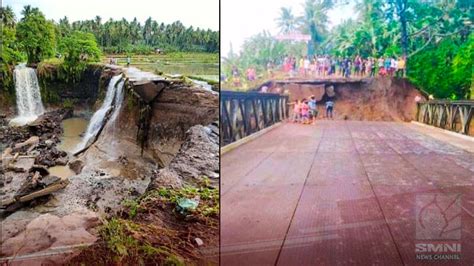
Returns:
(118,101)
(113,99)
(28,96)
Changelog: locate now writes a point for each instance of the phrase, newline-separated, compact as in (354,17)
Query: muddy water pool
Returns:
(73,128)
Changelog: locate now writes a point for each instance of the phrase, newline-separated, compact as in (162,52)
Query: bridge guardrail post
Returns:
(450,115)
(244,113)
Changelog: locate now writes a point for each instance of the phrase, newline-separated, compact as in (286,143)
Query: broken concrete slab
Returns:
(149,90)
(34,140)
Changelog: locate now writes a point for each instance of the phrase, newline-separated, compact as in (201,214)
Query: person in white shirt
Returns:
(306,64)
(393,66)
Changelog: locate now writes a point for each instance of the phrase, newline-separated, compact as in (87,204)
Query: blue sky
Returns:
(199,13)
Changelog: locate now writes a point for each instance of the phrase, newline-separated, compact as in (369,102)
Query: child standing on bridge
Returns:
(304,112)
(329,108)
(313,111)
(297,111)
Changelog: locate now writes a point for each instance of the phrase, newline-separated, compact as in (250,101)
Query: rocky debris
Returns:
(76,166)
(163,128)
(38,139)
(122,160)
(32,141)
(27,187)
(49,143)
(2,178)
(43,171)
(31,189)
(49,124)
(148,91)
(28,152)
(6,153)
(165,177)
(102,192)
(30,185)
(198,157)
(61,161)
(49,180)
(19,165)
(199,241)
(47,233)
(3,120)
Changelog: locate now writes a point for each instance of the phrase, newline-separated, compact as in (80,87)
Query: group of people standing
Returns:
(305,111)
(325,65)
(391,66)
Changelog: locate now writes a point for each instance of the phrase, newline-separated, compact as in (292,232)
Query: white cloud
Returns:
(244,18)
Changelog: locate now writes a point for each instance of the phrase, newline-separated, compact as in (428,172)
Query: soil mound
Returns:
(381,99)
(377,99)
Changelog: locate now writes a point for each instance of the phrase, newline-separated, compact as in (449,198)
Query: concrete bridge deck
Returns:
(345,192)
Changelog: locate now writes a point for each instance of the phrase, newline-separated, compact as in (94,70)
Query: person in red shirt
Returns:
(305,112)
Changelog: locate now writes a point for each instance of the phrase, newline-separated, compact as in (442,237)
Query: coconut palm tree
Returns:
(287,22)
(7,16)
(314,19)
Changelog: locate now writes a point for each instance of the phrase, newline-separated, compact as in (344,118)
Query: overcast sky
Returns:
(244,18)
(198,13)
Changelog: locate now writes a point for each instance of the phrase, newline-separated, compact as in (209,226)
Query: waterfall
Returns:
(113,99)
(28,96)
(118,101)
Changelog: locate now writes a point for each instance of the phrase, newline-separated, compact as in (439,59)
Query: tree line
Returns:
(34,38)
(119,36)
(434,35)
(39,38)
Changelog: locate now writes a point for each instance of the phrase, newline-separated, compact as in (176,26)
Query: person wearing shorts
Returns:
(313,111)
(297,111)
(304,112)
(329,108)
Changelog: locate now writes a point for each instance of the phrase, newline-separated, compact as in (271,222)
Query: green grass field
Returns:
(202,65)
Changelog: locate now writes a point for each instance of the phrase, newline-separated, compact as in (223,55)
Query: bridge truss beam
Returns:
(244,113)
(451,115)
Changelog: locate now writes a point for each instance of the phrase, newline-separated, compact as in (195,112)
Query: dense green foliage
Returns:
(435,36)
(438,47)
(122,36)
(35,35)
(258,50)
(446,69)
(79,48)
(10,54)
(35,39)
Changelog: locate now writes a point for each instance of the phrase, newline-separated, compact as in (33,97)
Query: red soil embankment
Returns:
(378,99)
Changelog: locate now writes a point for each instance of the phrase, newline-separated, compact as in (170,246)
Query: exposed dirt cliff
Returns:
(379,99)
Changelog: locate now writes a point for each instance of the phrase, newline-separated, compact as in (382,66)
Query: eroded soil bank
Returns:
(128,184)
(378,99)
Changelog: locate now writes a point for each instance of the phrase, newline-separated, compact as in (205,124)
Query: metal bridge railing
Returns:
(451,115)
(244,113)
